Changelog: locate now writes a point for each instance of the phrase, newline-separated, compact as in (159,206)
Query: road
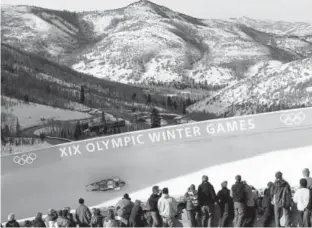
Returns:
(52,182)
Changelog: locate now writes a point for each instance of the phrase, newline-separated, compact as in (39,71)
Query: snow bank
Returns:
(290,162)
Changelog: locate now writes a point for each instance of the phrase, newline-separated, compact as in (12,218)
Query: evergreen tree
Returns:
(155,118)
(82,95)
(48,89)
(183,109)
(78,131)
(149,99)
(42,136)
(188,101)
(103,120)
(175,106)
(134,96)
(26,98)
(169,102)
(3,142)
(6,131)
(18,127)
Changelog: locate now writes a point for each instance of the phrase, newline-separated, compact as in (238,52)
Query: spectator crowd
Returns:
(239,206)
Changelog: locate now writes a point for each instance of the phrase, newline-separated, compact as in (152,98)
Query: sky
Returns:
(286,10)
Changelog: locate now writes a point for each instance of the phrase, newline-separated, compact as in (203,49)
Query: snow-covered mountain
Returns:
(273,85)
(144,42)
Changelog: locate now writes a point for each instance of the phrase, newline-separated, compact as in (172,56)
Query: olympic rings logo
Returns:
(26,158)
(291,119)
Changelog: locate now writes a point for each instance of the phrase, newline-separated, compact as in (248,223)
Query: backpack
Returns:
(283,197)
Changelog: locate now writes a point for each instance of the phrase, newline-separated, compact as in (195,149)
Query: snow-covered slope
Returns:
(277,27)
(270,85)
(145,42)
(45,32)
(32,114)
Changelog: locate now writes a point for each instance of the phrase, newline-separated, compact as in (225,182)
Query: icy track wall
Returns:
(235,126)
(55,177)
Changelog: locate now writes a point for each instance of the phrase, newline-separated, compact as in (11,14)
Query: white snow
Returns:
(33,114)
(290,162)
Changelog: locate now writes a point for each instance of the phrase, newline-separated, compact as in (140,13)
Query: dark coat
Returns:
(224,199)
(12,223)
(238,192)
(136,216)
(281,197)
(38,222)
(153,202)
(206,194)
(267,199)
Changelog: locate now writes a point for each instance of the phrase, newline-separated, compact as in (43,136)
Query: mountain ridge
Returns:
(145,43)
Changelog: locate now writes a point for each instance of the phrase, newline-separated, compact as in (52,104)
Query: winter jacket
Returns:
(136,215)
(167,206)
(302,198)
(238,192)
(38,222)
(152,202)
(224,199)
(191,199)
(124,208)
(281,192)
(12,223)
(206,194)
(267,199)
(251,196)
(83,215)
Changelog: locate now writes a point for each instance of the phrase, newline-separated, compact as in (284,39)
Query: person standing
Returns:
(267,206)
(11,221)
(306,175)
(239,199)
(281,192)
(224,201)
(192,206)
(83,214)
(308,211)
(251,198)
(135,219)
(302,198)
(207,199)
(168,209)
(51,218)
(123,209)
(38,221)
(110,219)
(153,206)
(97,220)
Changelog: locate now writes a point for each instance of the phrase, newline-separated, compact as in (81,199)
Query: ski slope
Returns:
(54,182)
